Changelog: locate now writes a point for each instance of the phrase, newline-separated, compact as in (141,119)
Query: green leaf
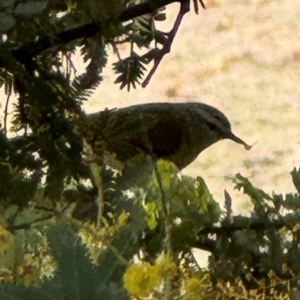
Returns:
(131,70)
(256,194)
(168,174)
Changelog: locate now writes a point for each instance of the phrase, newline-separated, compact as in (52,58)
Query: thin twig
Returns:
(8,88)
(252,225)
(131,47)
(27,225)
(116,50)
(184,8)
(195,260)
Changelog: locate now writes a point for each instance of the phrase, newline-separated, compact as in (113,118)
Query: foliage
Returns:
(38,41)
(76,276)
(74,225)
(131,256)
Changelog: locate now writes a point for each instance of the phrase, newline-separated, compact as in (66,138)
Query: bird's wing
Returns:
(153,131)
(165,137)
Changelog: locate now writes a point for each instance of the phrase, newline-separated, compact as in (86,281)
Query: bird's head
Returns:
(217,124)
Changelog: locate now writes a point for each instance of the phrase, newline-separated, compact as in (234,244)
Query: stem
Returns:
(168,232)
(8,93)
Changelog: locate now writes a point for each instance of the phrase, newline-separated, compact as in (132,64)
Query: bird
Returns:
(176,132)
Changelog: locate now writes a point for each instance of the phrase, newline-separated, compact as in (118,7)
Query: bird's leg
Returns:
(165,206)
(167,290)
(95,164)
(184,8)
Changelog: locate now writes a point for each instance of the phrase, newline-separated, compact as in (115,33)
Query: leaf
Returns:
(104,10)
(228,205)
(30,8)
(255,193)
(296,178)
(152,212)
(131,70)
(197,288)
(209,205)
(167,172)
(292,202)
(7,21)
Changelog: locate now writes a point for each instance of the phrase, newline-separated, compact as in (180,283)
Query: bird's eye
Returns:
(211,126)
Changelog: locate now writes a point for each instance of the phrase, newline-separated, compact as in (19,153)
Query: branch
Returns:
(205,244)
(144,8)
(27,225)
(26,53)
(288,221)
(184,8)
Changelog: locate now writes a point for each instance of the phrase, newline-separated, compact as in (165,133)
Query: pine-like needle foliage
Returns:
(76,276)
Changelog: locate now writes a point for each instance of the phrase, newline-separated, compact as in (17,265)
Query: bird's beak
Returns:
(239,141)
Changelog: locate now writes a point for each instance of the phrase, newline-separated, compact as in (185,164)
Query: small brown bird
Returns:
(177,132)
